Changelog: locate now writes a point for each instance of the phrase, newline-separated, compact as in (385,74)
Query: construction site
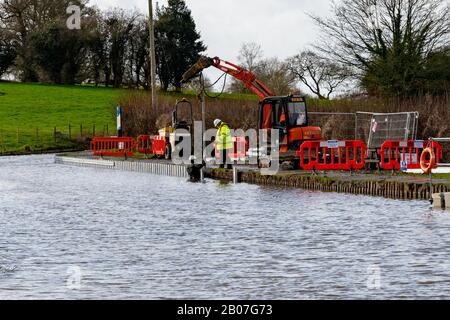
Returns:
(376,154)
(311,162)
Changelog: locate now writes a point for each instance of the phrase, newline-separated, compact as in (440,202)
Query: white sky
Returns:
(281,27)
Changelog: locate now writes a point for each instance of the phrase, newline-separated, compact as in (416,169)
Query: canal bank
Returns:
(414,187)
(380,185)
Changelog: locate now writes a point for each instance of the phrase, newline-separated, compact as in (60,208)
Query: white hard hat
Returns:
(217,122)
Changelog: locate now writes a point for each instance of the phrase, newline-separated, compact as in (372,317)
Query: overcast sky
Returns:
(281,27)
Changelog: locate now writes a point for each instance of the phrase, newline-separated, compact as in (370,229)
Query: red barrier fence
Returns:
(144,144)
(240,149)
(314,155)
(113,146)
(159,145)
(332,155)
(393,153)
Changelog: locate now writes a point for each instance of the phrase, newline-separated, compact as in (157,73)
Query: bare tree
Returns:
(320,75)
(22,17)
(7,51)
(138,61)
(119,26)
(250,55)
(271,71)
(277,76)
(387,41)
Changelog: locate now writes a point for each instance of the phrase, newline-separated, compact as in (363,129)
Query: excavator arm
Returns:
(247,77)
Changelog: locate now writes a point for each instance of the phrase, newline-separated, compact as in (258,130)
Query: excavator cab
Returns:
(288,115)
(283,112)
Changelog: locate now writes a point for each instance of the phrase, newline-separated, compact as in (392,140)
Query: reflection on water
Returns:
(70,232)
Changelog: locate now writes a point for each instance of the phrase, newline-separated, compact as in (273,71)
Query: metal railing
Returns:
(346,130)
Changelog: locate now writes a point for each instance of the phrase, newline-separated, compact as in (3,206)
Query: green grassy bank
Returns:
(40,117)
(37,117)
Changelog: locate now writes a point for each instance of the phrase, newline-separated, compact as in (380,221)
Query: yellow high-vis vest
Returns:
(223,138)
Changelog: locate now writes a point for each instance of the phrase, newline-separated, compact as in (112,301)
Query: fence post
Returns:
(81,130)
(54,134)
(107,129)
(70,132)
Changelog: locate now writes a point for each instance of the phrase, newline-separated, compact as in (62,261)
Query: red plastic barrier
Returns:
(144,144)
(393,152)
(332,155)
(240,149)
(113,146)
(159,145)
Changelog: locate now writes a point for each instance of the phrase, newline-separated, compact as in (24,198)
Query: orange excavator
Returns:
(287,114)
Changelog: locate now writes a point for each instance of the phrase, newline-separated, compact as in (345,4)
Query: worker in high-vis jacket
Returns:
(224,143)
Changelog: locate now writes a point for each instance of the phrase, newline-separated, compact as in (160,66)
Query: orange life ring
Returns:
(425,164)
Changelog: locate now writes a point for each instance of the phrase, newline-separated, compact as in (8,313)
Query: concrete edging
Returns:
(441,200)
(161,169)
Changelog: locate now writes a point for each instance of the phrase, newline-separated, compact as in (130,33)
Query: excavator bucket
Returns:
(202,64)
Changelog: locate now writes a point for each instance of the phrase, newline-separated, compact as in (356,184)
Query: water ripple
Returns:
(139,236)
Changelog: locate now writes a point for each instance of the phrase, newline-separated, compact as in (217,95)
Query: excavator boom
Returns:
(247,77)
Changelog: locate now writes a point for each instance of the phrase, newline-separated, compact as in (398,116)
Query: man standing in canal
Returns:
(224,143)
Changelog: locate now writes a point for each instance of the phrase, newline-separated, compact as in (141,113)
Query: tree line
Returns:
(397,48)
(387,48)
(321,76)
(111,47)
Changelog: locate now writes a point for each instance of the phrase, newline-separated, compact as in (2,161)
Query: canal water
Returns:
(71,233)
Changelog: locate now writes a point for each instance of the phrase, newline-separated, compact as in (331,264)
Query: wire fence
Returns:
(372,128)
(445,143)
(28,139)
(394,126)
(339,126)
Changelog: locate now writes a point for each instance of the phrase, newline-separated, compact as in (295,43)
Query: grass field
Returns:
(30,114)
(39,117)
